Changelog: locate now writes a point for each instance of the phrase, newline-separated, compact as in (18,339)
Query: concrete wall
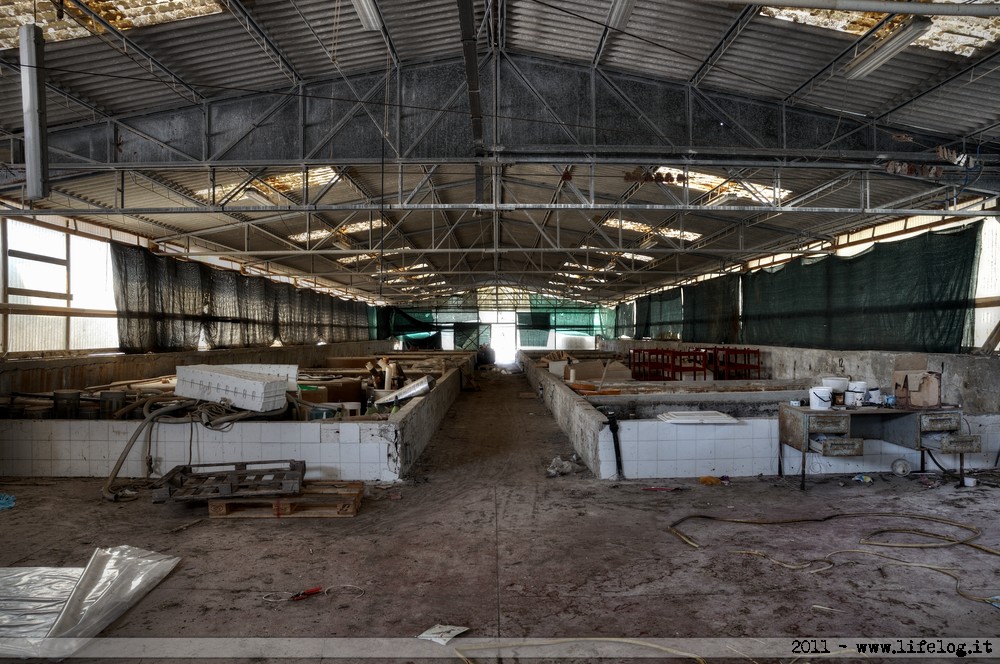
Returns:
(417,423)
(580,420)
(358,449)
(969,381)
(353,449)
(652,449)
(43,375)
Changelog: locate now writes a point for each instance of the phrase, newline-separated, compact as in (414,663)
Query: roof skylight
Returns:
(961,35)
(121,14)
(722,186)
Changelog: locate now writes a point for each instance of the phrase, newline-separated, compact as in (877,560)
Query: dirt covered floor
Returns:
(480,537)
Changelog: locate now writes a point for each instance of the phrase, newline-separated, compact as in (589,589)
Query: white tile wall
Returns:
(361,450)
(747,448)
(90,449)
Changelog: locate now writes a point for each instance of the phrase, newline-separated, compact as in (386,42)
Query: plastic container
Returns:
(820,398)
(970,481)
(855,395)
(836,383)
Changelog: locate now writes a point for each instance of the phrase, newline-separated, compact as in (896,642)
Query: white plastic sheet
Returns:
(51,611)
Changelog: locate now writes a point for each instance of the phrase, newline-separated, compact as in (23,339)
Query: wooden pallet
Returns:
(230,480)
(319,499)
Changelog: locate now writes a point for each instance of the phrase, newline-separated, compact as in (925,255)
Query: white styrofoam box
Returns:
(290,372)
(557,367)
(243,389)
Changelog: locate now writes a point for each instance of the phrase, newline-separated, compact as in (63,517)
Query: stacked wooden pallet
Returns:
(266,489)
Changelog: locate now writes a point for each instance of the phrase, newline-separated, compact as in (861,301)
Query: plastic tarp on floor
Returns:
(52,611)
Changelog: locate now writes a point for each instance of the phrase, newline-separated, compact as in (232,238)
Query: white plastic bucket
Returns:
(820,398)
(874,396)
(836,383)
(855,394)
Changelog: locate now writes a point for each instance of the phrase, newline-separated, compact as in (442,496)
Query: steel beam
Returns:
(259,35)
(131,49)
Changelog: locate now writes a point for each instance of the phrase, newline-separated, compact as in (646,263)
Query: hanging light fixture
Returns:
(368,14)
(619,14)
(886,48)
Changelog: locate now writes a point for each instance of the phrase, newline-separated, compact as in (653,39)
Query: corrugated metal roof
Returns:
(547,57)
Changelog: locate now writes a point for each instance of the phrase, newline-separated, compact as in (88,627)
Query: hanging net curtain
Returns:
(711,311)
(915,295)
(167,305)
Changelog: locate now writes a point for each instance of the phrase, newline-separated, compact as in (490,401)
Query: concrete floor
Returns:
(481,538)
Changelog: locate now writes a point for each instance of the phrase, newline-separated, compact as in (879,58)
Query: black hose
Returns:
(106,490)
(613,425)
(934,459)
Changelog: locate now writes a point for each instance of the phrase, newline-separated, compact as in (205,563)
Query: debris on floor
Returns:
(662,488)
(560,467)
(7,501)
(442,633)
(863,479)
(708,480)
(286,596)
(50,611)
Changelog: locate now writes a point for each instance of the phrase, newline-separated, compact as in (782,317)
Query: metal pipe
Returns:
(883,6)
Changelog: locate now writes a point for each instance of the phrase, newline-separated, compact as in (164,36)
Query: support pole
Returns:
(36,158)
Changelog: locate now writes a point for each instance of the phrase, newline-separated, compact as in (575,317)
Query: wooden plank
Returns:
(318,500)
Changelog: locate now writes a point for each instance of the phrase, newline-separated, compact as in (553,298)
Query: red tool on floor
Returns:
(306,593)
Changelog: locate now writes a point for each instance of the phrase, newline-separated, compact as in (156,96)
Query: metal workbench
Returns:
(843,432)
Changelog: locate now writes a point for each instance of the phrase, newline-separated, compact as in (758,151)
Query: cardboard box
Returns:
(917,389)
(314,394)
(341,389)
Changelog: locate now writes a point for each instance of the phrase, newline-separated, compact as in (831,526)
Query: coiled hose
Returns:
(210,415)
